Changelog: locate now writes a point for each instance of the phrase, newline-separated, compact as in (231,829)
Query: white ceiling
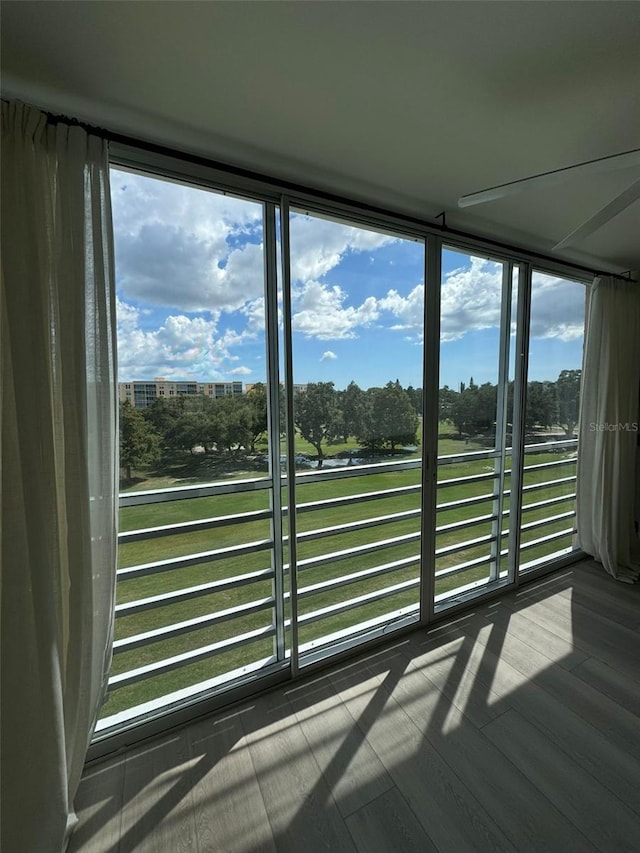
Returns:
(405,104)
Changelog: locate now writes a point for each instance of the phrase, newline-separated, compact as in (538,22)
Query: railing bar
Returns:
(353,632)
(549,502)
(158,634)
(463,567)
(343,606)
(531,525)
(546,558)
(168,598)
(472,478)
(565,442)
(358,525)
(470,522)
(168,664)
(358,498)
(356,470)
(545,465)
(346,580)
(193,559)
(534,542)
(562,481)
(180,493)
(472,456)
(467,502)
(334,556)
(462,546)
(182,527)
(140,498)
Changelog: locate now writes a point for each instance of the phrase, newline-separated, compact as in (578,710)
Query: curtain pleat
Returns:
(607,487)
(59,467)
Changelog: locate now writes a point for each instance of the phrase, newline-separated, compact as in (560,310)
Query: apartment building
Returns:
(142,393)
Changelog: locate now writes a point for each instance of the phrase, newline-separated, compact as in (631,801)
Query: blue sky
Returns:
(189,270)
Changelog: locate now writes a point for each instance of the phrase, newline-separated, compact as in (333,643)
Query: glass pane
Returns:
(357,319)
(478,297)
(195,593)
(553,394)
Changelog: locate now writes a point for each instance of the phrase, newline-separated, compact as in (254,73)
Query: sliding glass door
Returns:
(200,583)
(556,337)
(478,299)
(357,315)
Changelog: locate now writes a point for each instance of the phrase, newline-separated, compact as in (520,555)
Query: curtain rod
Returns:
(291,186)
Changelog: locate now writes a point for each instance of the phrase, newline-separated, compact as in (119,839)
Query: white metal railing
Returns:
(266,604)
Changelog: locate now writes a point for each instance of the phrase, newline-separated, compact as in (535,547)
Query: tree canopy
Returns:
(379,418)
(317,416)
(139,441)
(472,409)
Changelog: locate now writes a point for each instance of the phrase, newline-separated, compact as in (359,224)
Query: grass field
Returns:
(313,596)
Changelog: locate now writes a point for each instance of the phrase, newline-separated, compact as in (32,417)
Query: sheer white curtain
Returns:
(607,488)
(59,467)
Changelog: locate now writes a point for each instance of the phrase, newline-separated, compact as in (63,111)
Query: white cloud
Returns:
(557,308)
(181,348)
(320,312)
(318,245)
(254,312)
(196,251)
(409,310)
(328,356)
(470,299)
(240,371)
(185,248)
(166,265)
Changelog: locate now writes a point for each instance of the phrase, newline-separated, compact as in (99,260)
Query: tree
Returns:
(139,441)
(390,420)
(541,404)
(189,430)
(317,416)
(474,408)
(256,399)
(188,423)
(568,399)
(234,424)
(352,405)
(486,404)
(446,401)
(415,396)
(163,415)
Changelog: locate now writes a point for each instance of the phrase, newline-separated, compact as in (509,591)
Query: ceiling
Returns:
(408,105)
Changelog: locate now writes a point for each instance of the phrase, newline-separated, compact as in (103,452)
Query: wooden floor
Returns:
(517,727)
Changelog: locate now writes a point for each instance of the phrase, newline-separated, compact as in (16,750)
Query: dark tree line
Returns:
(378,418)
(385,418)
(225,426)
(472,409)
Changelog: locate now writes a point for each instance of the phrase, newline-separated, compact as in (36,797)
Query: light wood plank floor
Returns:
(513,728)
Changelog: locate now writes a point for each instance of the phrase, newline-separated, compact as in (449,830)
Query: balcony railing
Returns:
(192,618)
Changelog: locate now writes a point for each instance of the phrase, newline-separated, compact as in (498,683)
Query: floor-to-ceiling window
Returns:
(323,436)
(478,309)
(200,592)
(357,318)
(556,335)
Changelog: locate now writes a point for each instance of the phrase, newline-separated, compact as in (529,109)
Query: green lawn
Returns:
(163,548)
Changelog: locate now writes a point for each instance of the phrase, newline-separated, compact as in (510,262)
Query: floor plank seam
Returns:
(560,745)
(257,775)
